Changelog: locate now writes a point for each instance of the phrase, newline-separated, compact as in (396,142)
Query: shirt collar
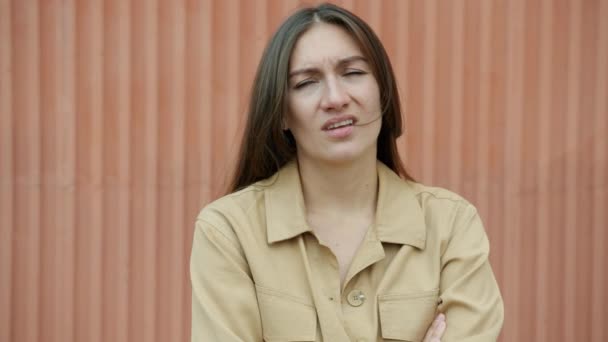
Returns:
(399,218)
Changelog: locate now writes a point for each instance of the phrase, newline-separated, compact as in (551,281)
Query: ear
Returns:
(284,124)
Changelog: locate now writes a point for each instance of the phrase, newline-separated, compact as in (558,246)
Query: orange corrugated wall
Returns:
(120,119)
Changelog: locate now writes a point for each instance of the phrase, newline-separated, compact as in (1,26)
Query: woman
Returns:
(324,236)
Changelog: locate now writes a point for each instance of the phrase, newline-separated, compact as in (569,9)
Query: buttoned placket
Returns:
(348,305)
(359,293)
(324,281)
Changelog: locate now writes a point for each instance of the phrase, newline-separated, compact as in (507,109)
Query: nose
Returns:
(335,97)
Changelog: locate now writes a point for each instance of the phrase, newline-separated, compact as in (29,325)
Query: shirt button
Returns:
(356,298)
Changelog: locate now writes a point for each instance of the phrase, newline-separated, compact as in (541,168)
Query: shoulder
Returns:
(233,210)
(442,207)
(452,220)
(231,204)
(437,209)
(436,197)
(410,197)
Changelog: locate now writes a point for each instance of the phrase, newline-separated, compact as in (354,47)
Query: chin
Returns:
(347,156)
(338,154)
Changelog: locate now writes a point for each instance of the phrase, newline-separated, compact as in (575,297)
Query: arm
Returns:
(224,302)
(470,297)
(436,330)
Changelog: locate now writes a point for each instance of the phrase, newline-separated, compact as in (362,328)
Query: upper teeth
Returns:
(341,123)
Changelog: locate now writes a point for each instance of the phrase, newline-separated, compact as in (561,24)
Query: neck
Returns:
(339,189)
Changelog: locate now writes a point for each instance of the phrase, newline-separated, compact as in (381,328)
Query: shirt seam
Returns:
(455,200)
(219,231)
(281,294)
(244,191)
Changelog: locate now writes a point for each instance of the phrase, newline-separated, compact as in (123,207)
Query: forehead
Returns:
(323,43)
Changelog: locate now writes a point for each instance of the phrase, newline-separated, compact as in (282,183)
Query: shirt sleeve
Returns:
(470,297)
(224,302)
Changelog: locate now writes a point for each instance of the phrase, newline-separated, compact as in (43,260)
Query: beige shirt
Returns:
(260,273)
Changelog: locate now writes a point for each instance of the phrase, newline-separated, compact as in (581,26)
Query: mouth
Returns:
(344,123)
(338,122)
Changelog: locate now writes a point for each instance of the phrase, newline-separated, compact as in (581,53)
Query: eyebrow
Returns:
(340,63)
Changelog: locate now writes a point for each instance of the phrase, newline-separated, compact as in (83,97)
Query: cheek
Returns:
(292,119)
(298,116)
(375,98)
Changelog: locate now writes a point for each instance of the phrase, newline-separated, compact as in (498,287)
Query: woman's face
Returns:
(331,92)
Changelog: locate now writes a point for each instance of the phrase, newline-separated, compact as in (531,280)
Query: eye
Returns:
(354,72)
(304,83)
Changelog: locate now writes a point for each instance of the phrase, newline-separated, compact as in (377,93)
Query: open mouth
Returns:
(343,123)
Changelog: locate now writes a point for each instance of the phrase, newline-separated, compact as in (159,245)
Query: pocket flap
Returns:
(285,317)
(406,317)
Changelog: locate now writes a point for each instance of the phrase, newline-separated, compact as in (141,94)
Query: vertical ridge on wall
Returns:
(27,132)
(116,178)
(447,52)
(542,169)
(48,83)
(413,95)
(467,153)
(89,181)
(428,108)
(224,104)
(529,154)
(6,172)
(583,154)
(65,127)
(556,167)
(143,142)
(399,62)
(495,215)
(196,147)
(600,181)
(571,175)
(483,175)
(513,147)
(172,171)
(244,76)
(57,171)
(230,77)
(179,221)
(455,108)
(205,17)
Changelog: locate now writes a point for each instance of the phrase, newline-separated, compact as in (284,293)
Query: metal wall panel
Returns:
(120,119)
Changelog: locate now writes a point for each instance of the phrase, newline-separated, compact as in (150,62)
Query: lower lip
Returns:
(340,133)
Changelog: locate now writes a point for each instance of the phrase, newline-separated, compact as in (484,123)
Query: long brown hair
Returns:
(265,147)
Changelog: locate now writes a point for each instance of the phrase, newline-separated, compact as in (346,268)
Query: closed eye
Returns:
(353,72)
(304,83)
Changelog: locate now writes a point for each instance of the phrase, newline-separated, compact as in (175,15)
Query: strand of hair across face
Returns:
(369,122)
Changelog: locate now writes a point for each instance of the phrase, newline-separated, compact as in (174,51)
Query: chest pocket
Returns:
(406,317)
(286,318)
